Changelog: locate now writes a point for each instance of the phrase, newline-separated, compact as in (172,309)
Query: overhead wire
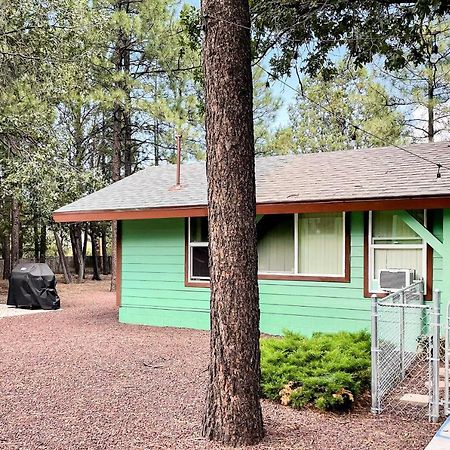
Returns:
(438,165)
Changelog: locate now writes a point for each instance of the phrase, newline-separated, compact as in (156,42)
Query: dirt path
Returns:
(77,379)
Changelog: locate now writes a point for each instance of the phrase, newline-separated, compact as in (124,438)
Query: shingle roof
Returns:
(362,174)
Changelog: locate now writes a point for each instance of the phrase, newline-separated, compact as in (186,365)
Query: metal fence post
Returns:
(436,325)
(402,334)
(374,355)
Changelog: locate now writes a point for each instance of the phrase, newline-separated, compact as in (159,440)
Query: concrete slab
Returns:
(11,311)
(415,399)
(441,440)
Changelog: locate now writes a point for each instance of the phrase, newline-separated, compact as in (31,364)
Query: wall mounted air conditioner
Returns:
(395,279)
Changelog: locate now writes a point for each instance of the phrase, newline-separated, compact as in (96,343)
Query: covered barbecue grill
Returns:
(33,285)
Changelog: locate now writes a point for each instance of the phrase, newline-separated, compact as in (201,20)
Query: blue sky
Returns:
(278,89)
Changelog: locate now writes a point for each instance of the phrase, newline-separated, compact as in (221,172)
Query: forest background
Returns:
(91,92)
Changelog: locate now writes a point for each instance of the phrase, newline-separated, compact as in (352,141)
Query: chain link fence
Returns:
(406,354)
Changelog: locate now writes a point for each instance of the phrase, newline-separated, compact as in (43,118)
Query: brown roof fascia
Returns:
(355,205)
(150,213)
(261,208)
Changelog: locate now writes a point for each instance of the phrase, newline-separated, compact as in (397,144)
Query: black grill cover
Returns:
(33,285)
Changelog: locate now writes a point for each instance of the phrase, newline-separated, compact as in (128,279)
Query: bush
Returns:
(327,370)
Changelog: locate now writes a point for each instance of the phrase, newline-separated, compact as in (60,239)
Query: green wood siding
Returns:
(437,221)
(153,290)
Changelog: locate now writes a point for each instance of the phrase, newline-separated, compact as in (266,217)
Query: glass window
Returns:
(288,244)
(199,229)
(394,245)
(198,249)
(321,244)
(388,228)
(276,244)
(200,267)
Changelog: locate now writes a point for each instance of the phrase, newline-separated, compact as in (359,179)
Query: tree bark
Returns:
(115,177)
(36,239)
(105,262)
(95,253)
(77,250)
(73,242)
(62,258)
(233,411)
(127,126)
(127,143)
(6,247)
(430,109)
(43,242)
(84,249)
(118,120)
(15,232)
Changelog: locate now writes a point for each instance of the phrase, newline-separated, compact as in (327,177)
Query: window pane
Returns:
(388,228)
(199,229)
(321,244)
(276,243)
(200,267)
(398,258)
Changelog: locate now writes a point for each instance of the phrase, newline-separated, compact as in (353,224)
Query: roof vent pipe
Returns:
(178,180)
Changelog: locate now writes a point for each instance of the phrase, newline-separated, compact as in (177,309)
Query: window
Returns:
(321,248)
(310,245)
(198,249)
(394,245)
(276,244)
(289,245)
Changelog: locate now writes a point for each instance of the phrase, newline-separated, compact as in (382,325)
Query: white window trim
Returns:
(192,245)
(296,273)
(373,247)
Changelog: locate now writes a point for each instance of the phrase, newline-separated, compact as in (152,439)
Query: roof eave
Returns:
(375,204)
(130,214)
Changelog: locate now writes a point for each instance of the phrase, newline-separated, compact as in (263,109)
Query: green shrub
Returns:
(327,370)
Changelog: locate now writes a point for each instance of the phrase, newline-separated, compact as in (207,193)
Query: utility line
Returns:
(356,127)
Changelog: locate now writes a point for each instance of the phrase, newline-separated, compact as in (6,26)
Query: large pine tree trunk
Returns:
(127,125)
(233,411)
(117,136)
(115,177)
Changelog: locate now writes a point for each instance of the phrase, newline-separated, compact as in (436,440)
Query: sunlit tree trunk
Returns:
(233,411)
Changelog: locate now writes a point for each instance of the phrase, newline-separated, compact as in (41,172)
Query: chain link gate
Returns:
(446,361)
(407,353)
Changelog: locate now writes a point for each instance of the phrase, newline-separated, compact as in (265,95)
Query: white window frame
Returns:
(192,245)
(373,247)
(296,272)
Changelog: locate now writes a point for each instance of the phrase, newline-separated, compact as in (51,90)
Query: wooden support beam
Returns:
(425,234)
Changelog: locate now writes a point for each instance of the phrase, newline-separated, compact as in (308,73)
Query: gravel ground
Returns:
(77,379)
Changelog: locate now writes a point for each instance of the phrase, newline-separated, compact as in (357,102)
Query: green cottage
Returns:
(329,224)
